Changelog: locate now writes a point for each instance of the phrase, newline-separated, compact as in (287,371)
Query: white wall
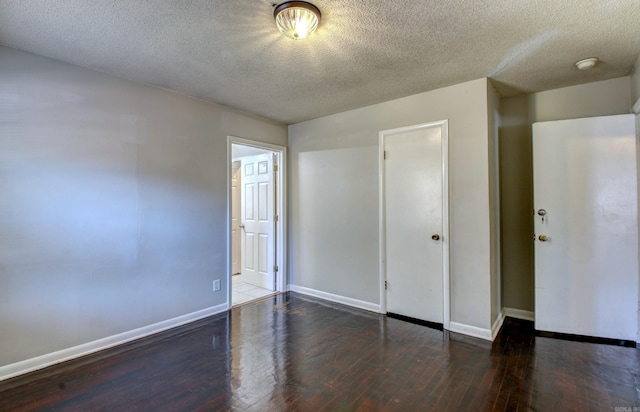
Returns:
(113,206)
(241,151)
(334,197)
(609,97)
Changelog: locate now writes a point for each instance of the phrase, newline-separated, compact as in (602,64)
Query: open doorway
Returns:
(256,207)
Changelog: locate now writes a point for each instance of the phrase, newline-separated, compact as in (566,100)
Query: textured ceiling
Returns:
(364,52)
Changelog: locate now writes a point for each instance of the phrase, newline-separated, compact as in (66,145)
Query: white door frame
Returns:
(444,125)
(280,210)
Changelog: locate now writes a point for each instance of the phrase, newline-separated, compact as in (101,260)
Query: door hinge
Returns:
(275,218)
(385,285)
(275,268)
(384,155)
(275,168)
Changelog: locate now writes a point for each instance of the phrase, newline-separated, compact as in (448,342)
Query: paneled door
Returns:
(236,216)
(413,194)
(586,228)
(257,221)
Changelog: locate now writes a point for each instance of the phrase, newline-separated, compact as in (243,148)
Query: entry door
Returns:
(585,212)
(236,216)
(413,205)
(257,219)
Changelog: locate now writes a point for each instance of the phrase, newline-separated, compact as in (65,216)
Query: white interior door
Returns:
(257,219)
(236,216)
(413,208)
(586,247)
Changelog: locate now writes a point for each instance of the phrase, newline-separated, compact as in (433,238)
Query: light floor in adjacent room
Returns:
(243,292)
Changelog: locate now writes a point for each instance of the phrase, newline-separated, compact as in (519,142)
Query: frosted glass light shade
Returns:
(297,19)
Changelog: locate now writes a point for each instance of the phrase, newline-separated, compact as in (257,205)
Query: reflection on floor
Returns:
(246,292)
(290,352)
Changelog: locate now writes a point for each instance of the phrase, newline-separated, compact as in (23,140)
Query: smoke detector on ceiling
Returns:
(586,64)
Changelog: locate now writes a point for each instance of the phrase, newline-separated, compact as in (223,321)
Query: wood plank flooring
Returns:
(294,353)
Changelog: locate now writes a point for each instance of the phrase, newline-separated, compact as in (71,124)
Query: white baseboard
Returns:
(40,362)
(373,307)
(495,328)
(474,331)
(360,304)
(636,107)
(519,314)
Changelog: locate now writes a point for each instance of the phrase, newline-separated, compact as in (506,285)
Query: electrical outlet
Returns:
(216,285)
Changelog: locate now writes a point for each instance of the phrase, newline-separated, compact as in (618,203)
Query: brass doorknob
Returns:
(543,238)
(435,237)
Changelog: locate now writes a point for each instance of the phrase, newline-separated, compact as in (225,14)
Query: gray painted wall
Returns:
(634,81)
(493,117)
(113,206)
(603,98)
(334,197)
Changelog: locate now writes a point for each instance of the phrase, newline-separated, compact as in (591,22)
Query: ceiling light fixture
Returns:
(297,19)
(586,64)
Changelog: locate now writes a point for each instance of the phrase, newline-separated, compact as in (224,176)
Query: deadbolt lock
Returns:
(543,238)
(435,237)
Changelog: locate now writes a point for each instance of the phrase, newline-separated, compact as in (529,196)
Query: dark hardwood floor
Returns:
(290,352)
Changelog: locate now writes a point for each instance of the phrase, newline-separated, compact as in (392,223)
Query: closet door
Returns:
(413,194)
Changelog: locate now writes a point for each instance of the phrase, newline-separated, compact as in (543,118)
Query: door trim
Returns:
(280,209)
(444,125)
